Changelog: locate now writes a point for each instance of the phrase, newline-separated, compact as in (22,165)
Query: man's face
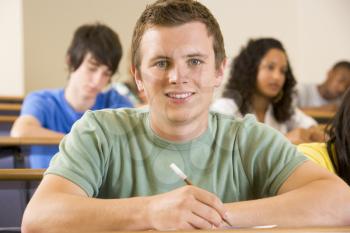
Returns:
(177,72)
(337,82)
(90,78)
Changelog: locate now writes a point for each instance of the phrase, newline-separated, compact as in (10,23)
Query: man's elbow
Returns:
(344,209)
(340,205)
(17,132)
(21,128)
(29,223)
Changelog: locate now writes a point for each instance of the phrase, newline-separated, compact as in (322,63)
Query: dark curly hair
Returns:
(338,144)
(243,74)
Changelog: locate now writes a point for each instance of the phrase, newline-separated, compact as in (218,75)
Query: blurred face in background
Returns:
(271,74)
(337,82)
(90,78)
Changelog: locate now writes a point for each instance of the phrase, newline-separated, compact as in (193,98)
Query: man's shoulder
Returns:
(45,93)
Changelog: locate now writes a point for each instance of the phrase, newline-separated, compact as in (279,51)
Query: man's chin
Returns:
(90,95)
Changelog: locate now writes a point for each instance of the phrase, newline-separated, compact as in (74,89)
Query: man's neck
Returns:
(179,132)
(78,103)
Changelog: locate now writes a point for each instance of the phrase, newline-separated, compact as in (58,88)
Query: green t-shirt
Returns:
(115,154)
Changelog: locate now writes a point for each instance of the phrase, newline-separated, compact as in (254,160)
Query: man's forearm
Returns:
(34,131)
(320,203)
(67,213)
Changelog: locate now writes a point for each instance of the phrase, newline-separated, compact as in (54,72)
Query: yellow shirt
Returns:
(317,152)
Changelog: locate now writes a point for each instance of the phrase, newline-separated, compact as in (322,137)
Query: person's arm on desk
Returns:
(61,206)
(29,126)
(311,196)
(301,135)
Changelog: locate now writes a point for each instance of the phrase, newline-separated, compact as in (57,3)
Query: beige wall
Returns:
(11,48)
(314,32)
(323,36)
(49,26)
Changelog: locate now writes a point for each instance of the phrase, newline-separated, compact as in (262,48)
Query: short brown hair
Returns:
(174,13)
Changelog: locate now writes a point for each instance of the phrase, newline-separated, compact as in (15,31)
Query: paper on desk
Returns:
(252,227)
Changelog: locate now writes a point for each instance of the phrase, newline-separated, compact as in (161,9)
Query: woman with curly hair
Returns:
(261,82)
(335,153)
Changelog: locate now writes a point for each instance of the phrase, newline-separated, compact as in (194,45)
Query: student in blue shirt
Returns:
(92,58)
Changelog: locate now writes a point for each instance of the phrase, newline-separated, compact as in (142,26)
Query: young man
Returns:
(327,95)
(112,171)
(92,58)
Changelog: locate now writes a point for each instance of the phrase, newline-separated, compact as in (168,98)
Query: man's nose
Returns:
(177,74)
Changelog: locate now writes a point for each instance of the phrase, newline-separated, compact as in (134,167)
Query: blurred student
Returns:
(335,153)
(92,58)
(261,82)
(327,95)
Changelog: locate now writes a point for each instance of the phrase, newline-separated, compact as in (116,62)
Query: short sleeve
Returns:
(82,155)
(35,105)
(267,156)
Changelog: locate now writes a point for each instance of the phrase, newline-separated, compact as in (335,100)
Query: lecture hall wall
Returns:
(36,33)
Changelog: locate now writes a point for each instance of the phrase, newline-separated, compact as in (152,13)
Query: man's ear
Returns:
(137,76)
(220,71)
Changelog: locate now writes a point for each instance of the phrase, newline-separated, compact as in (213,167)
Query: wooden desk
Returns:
(274,230)
(27,141)
(8,119)
(20,174)
(320,113)
(11,99)
(320,116)
(271,230)
(10,107)
(14,146)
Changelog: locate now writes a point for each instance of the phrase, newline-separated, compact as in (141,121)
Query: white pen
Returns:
(182,175)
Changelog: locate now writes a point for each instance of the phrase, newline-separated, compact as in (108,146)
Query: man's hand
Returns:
(317,133)
(188,207)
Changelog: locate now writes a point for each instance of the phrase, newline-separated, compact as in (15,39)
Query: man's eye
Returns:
(162,64)
(194,62)
(92,68)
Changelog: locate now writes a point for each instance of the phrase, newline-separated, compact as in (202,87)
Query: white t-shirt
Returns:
(309,96)
(298,119)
